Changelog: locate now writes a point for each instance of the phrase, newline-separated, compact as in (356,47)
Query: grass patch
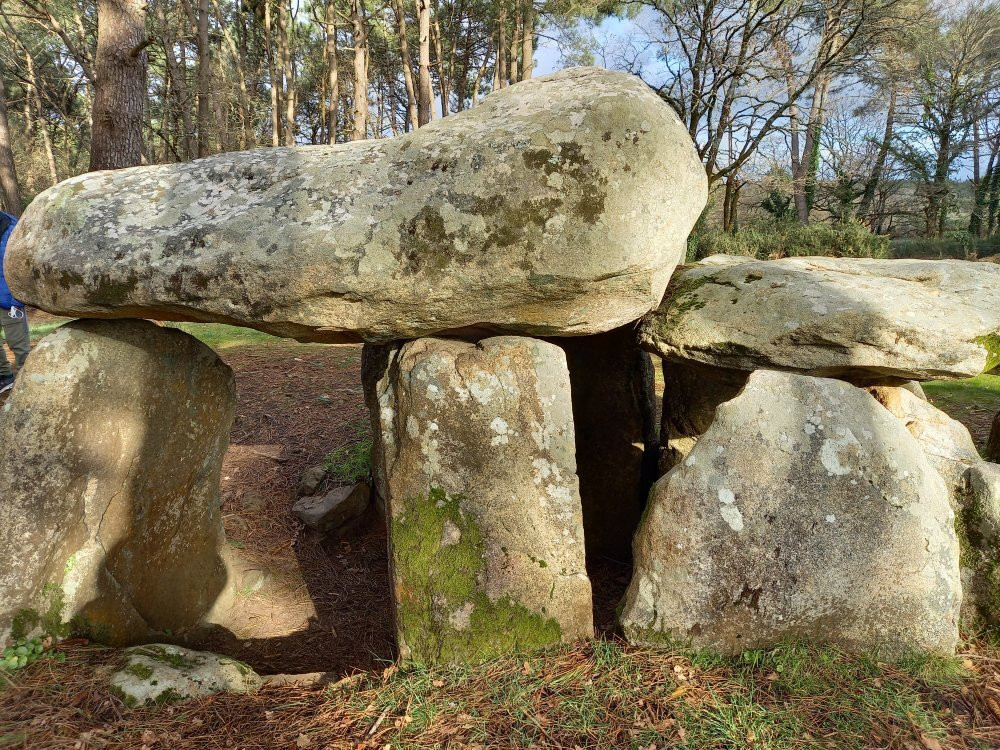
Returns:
(222,336)
(351,462)
(216,335)
(606,694)
(594,694)
(983,389)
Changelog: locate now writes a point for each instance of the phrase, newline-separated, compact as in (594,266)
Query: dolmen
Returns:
(509,270)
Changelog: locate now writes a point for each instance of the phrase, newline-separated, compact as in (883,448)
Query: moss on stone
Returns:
(161,654)
(49,620)
(142,671)
(442,614)
(991,343)
(977,554)
(128,700)
(681,298)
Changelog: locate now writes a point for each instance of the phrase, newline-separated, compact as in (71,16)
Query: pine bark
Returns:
(424,91)
(120,70)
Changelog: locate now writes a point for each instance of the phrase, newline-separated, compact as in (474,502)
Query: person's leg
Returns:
(5,371)
(15,329)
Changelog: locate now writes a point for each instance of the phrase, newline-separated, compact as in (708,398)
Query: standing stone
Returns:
(993,444)
(945,441)
(477,463)
(111,445)
(691,394)
(864,320)
(979,533)
(559,206)
(805,511)
(614,413)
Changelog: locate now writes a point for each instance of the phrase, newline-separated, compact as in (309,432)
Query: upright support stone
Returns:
(806,511)
(614,411)
(110,446)
(993,444)
(475,458)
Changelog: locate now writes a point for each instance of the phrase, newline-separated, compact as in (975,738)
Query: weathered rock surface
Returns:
(805,511)
(614,414)
(691,394)
(559,206)
(993,444)
(111,445)
(980,538)
(324,513)
(864,320)
(945,441)
(161,673)
(312,479)
(477,462)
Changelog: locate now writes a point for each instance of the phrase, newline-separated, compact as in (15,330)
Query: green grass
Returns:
(351,462)
(216,335)
(221,336)
(984,389)
(605,694)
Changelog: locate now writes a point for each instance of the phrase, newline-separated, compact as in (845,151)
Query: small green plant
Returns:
(27,651)
(351,462)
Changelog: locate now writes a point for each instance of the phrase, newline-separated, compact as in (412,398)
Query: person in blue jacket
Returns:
(13,319)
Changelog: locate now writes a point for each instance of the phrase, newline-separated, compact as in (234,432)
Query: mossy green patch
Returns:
(991,343)
(142,671)
(442,613)
(49,619)
(682,298)
(978,555)
(167,657)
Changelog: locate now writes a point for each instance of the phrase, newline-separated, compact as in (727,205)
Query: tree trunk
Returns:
(120,68)
(246,114)
(515,45)
(404,54)
(272,70)
(204,79)
(332,73)
(36,101)
(9,191)
(443,73)
(284,48)
(424,81)
(501,66)
(360,72)
(871,184)
(528,41)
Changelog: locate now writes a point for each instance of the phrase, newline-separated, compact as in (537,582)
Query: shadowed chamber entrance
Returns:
(305,602)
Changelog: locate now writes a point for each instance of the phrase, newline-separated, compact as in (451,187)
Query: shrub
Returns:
(784,240)
(952,245)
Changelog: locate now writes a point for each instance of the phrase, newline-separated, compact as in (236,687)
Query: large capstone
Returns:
(865,320)
(614,413)
(806,511)
(111,445)
(476,462)
(559,206)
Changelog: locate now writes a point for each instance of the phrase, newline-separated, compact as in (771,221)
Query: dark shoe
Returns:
(6,383)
